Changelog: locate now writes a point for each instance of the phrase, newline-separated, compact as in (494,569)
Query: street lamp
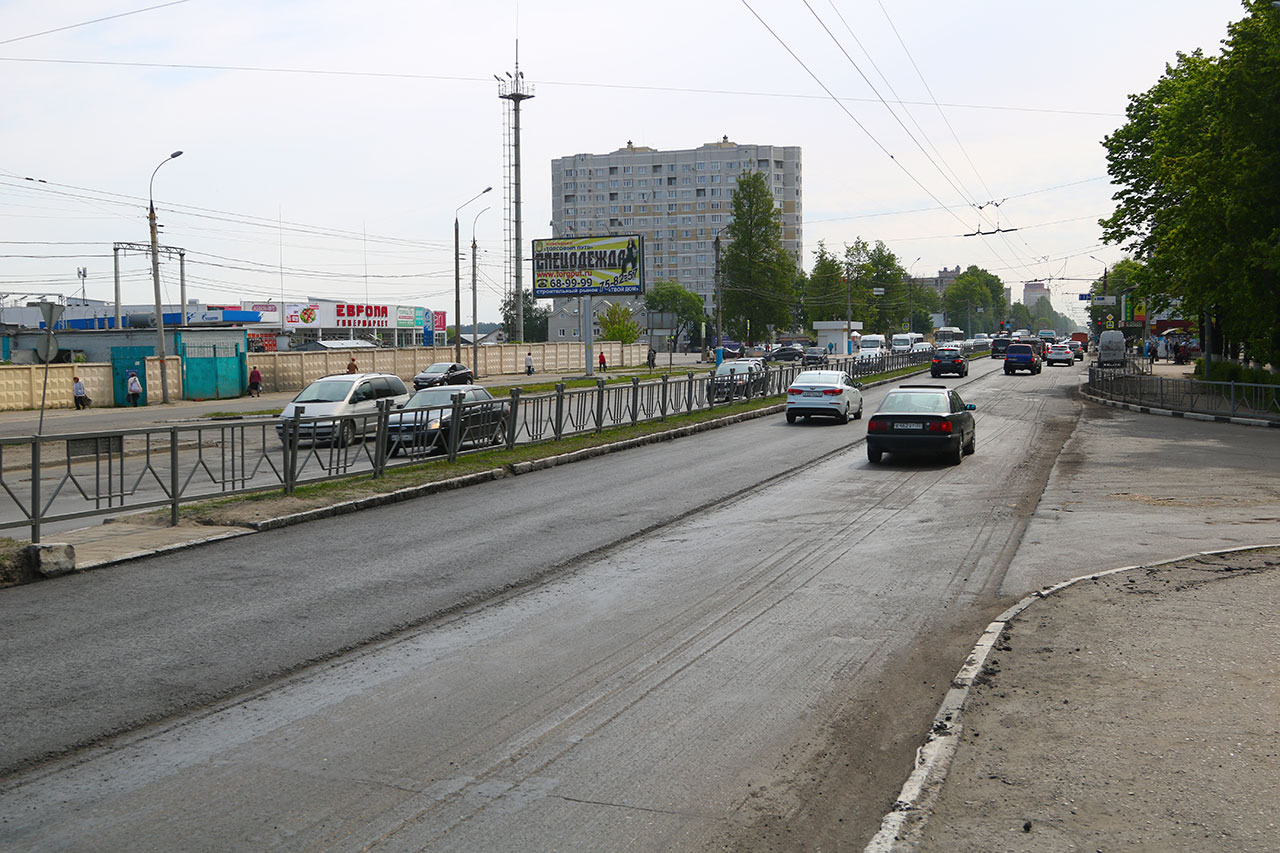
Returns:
(155,280)
(457,279)
(475,322)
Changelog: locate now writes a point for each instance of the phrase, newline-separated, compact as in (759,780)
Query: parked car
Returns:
(949,359)
(922,419)
(1059,354)
(732,380)
(1021,356)
(787,353)
(824,393)
(347,401)
(443,373)
(426,420)
(999,345)
(814,356)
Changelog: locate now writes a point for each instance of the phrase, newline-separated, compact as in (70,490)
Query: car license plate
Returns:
(811,394)
(908,426)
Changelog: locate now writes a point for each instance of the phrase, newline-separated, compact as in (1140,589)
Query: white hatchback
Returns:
(824,393)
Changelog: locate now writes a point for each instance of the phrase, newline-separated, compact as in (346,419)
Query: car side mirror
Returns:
(970,406)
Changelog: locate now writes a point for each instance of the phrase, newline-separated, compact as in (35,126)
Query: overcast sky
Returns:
(328,144)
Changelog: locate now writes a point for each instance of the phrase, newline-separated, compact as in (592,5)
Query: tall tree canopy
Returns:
(759,275)
(618,324)
(672,297)
(1199,200)
(975,301)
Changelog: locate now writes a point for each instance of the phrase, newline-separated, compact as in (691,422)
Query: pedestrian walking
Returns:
(603,367)
(134,387)
(653,358)
(78,393)
(528,364)
(255,383)
(352,367)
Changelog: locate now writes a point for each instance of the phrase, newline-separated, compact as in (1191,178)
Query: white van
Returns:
(905,341)
(1111,348)
(872,346)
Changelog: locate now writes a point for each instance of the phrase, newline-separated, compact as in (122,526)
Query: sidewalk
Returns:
(1138,709)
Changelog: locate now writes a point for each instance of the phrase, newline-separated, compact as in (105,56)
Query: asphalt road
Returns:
(732,640)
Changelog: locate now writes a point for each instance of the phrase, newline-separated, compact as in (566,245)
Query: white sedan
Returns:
(824,393)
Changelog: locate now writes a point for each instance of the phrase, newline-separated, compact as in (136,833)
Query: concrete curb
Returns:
(1175,413)
(901,828)
(166,549)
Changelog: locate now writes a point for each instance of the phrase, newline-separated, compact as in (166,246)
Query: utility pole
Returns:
(155,279)
(719,301)
(514,90)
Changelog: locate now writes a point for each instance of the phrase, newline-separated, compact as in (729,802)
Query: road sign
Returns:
(877,291)
(51,312)
(47,347)
(906,327)
(1104,300)
(1085,297)
(1111,324)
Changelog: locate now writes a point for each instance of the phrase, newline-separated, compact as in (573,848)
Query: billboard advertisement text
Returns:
(577,266)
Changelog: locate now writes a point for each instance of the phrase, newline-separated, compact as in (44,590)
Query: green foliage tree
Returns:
(975,301)
(759,275)
(617,324)
(673,298)
(824,291)
(1199,202)
(536,314)
(867,267)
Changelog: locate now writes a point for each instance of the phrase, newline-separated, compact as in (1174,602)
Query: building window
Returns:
(561,333)
(701,166)
(627,181)
(626,170)
(686,181)
(685,167)
(613,170)
(715,165)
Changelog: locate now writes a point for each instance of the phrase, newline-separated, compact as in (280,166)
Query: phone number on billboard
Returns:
(557,283)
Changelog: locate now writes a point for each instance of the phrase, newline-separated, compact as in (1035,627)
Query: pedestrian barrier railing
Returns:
(1232,399)
(52,479)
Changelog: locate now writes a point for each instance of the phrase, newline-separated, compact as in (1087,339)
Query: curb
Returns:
(166,549)
(1175,413)
(901,828)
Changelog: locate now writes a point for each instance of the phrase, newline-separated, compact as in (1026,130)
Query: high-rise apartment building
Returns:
(680,201)
(1033,292)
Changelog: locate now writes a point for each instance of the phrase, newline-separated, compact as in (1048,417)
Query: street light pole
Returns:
(475,322)
(155,280)
(457,279)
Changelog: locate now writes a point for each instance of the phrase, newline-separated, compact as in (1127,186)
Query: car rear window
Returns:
(1019,349)
(948,353)
(914,402)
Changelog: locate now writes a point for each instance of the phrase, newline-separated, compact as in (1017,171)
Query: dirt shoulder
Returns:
(1135,710)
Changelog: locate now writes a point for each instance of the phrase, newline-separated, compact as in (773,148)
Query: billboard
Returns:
(302,315)
(578,266)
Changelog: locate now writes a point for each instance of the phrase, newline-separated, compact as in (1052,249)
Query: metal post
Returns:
(719,299)
(173,476)
(182,286)
(587,322)
(455,427)
(35,489)
(457,293)
(475,322)
(559,425)
(513,418)
(155,280)
(115,257)
(599,405)
(635,399)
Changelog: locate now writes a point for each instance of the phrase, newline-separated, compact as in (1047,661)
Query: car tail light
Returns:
(959,361)
(831,392)
(937,361)
(940,426)
(876,426)
(796,391)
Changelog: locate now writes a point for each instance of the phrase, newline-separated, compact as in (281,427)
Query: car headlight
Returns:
(434,424)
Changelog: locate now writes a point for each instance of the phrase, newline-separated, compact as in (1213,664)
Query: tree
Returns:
(1198,202)
(617,324)
(536,315)
(671,297)
(825,289)
(759,275)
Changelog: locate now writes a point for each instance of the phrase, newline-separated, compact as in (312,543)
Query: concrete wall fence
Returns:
(20,385)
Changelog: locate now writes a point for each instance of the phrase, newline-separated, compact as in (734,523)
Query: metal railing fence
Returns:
(1232,399)
(57,478)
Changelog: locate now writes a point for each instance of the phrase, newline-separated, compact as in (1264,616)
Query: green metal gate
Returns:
(212,371)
